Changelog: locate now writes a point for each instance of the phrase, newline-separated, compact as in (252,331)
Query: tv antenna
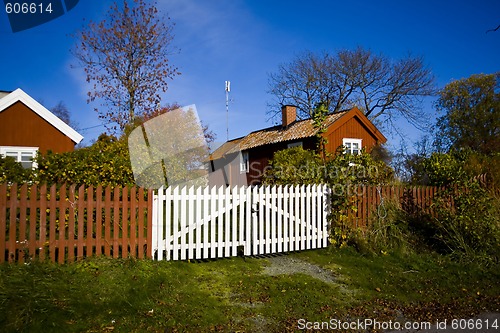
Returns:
(228,89)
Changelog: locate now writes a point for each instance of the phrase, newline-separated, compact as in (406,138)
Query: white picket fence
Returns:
(200,223)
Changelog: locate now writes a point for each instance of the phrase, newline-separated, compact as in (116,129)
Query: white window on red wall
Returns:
(244,162)
(352,146)
(23,155)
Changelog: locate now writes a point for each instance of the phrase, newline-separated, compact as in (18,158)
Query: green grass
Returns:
(231,295)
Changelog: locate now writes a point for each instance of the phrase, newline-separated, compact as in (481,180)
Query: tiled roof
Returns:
(297,130)
(225,148)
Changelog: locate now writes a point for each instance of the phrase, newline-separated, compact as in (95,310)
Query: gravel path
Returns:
(284,264)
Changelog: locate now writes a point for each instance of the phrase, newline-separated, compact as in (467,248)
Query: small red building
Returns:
(27,127)
(245,159)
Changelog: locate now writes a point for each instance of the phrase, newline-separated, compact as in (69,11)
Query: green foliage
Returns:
(106,162)
(319,116)
(443,169)
(345,173)
(455,167)
(472,114)
(467,222)
(294,166)
(390,230)
(361,169)
(13,172)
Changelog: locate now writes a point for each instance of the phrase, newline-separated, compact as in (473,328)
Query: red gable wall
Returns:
(20,126)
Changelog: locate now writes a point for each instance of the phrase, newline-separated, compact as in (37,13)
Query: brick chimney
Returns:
(288,114)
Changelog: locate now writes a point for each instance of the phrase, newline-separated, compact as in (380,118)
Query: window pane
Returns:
(244,163)
(27,165)
(26,156)
(12,154)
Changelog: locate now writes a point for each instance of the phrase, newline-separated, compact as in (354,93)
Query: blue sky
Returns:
(243,41)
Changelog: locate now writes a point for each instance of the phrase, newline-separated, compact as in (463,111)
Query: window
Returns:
(295,144)
(352,146)
(244,162)
(24,155)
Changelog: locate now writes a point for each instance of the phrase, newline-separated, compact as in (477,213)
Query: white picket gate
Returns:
(197,223)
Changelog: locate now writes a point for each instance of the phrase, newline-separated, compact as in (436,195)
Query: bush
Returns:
(467,223)
(106,162)
(294,166)
(13,172)
(467,214)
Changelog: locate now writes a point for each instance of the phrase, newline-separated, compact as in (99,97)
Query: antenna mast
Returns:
(228,89)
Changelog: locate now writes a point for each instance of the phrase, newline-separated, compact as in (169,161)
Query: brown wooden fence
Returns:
(370,200)
(63,223)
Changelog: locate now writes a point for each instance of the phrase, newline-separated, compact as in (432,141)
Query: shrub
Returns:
(467,223)
(295,166)
(13,172)
(345,172)
(106,162)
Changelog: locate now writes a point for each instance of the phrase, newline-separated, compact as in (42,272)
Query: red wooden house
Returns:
(243,161)
(27,127)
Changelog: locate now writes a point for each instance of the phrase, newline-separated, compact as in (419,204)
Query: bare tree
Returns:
(493,30)
(381,88)
(62,112)
(126,59)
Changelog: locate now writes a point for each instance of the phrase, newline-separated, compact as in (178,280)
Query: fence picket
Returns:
(22,240)
(88,242)
(227,221)
(235,226)
(182,223)
(98,220)
(164,227)
(247,218)
(12,226)
(206,211)
(69,241)
(3,217)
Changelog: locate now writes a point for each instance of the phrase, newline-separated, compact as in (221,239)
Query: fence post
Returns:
(154,224)
(23,240)
(3,220)
(247,218)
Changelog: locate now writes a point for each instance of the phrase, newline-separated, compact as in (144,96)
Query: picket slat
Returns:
(227,222)
(71,225)
(206,236)
(89,238)
(98,221)
(235,226)
(12,226)
(3,217)
(247,218)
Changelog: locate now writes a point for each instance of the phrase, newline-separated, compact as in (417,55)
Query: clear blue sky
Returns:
(243,41)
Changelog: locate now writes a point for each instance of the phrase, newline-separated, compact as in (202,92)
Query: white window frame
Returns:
(244,162)
(295,144)
(348,144)
(10,150)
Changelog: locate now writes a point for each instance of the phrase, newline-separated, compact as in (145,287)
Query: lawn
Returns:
(268,294)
